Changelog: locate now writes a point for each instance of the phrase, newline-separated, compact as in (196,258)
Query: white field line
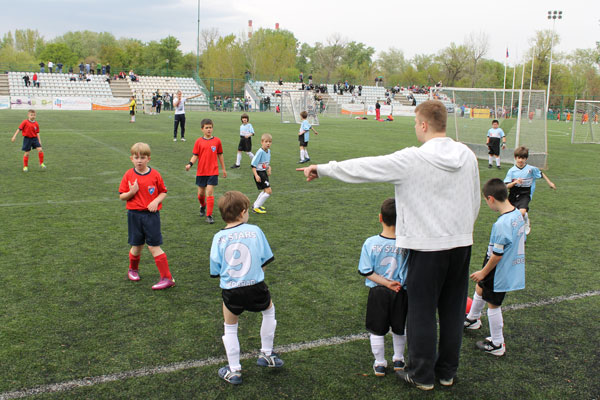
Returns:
(180,366)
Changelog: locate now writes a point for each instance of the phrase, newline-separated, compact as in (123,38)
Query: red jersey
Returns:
(150,186)
(207,151)
(29,129)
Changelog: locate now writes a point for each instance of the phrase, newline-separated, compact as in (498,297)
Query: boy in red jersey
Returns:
(207,151)
(144,190)
(31,139)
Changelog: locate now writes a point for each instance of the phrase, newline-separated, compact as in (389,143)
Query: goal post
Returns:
(585,122)
(472,111)
(293,102)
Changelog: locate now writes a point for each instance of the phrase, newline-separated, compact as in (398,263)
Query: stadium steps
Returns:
(4,86)
(120,88)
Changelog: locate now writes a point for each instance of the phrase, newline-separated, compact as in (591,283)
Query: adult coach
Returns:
(437,202)
(179,105)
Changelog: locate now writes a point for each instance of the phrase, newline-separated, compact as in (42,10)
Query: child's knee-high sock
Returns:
(306,154)
(25,161)
(238,159)
(399,344)
(267,330)
(378,349)
(490,159)
(301,154)
(476,307)
(232,347)
(202,200)
(496,323)
(134,261)
(163,266)
(41,157)
(210,204)
(250,155)
(261,199)
(498,161)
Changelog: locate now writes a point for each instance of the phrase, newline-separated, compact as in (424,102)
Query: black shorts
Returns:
(253,298)
(143,227)
(204,181)
(245,144)
(487,285)
(131,112)
(302,142)
(385,309)
(521,201)
(494,146)
(264,180)
(30,143)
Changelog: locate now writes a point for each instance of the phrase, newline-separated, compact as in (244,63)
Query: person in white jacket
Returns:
(437,201)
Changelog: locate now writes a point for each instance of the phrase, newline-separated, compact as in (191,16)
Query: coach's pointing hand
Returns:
(310,172)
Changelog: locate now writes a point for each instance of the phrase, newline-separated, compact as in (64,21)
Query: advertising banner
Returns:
(72,103)
(353,109)
(42,103)
(4,102)
(111,103)
(20,102)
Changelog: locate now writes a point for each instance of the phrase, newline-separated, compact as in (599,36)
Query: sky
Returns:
(414,27)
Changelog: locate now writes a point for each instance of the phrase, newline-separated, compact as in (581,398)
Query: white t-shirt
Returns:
(179,108)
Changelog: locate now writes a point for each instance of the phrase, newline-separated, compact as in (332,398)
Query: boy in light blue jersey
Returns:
(245,145)
(494,136)
(238,255)
(520,180)
(303,137)
(503,269)
(261,168)
(384,265)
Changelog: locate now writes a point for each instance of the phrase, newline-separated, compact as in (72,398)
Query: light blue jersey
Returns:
(305,127)
(246,129)
(508,240)
(528,174)
(238,254)
(495,133)
(381,256)
(261,159)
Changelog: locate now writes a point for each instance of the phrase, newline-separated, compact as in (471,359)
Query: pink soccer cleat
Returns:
(133,275)
(164,283)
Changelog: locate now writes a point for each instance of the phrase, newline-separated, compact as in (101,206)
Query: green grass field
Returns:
(69,312)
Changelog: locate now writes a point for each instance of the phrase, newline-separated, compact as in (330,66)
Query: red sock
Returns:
(210,204)
(134,261)
(202,201)
(163,266)
(25,160)
(41,156)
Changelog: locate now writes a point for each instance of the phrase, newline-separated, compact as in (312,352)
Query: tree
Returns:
(328,58)
(392,64)
(540,51)
(270,51)
(477,46)
(454,61)
(7,40)
(224,59)
(58,52)
(29,41)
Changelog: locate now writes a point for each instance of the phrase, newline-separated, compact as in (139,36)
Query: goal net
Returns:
(519,112)
(293,102)
(585,122)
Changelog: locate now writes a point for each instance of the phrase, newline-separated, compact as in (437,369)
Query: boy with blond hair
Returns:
(238,256)
(261,168)
(503,269)
(144,191)
(384,265)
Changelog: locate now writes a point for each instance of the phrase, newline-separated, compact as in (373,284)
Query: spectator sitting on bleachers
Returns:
(360,90)
(35,80)
(26,80)
(122,75)
(72,77)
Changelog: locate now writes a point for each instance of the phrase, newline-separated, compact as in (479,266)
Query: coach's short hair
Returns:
(304,114)
(206,121)
(522,152)
(141,148)
(496,188)
(388,212)
(434,113)
(244,116)
(231,205)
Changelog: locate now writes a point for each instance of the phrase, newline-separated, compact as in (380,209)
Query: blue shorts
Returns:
(30,143)
(206,180)
(143,227)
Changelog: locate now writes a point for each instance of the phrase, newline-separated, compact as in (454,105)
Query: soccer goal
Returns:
(519,111)
(585,122)
(293,102)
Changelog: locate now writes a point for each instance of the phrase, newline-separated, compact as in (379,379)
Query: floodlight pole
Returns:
(198,43)
(553,15)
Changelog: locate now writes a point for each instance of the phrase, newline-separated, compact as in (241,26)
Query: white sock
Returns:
(496,324)
(306,154)
(267,330)
(261,199)
(250,155)
(232,347)
(476,307)
(399,343)
(491,160)
(238,159)
(133,118)
(301,154)
(498,161)
(378,349)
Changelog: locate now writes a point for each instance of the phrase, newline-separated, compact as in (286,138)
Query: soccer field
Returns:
(69,312)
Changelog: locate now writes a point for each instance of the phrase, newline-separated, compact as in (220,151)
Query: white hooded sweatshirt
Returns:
(437,191)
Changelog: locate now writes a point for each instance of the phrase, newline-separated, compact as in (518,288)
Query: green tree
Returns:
(269,51)
(223,59)
(7,40)
(453,60)
(58,52)
(29,41)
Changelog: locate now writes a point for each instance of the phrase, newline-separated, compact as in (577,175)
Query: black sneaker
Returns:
(301,162)
(202,211)
(210,219)
(234,166)
(489,165)
(497,166)
(402,374)
(488,346)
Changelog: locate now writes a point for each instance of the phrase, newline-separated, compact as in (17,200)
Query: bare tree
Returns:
(208,37)
(477,45)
